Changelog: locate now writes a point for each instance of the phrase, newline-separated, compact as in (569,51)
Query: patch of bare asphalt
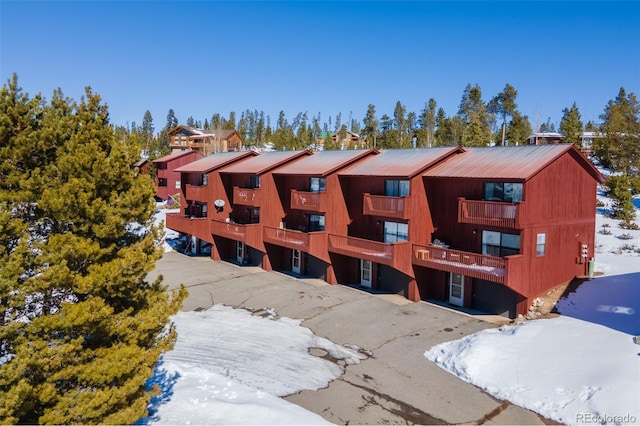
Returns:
(410,414)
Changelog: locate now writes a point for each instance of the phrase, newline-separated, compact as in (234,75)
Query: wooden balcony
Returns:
(246,196)
(492,213)
(381,205)
(164,173)
(507,271)
(314,243)
(310,201)
(196,193)
(196,226)
(392,254)
(249,234)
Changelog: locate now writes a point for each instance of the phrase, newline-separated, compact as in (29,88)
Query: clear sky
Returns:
(330,57)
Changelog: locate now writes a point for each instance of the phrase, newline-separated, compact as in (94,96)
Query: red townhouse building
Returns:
(167,178)
(388,211)
(203,198)
(482,228)
(313,203)
(510,223)
(254,203)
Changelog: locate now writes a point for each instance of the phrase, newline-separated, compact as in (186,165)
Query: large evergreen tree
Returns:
(370,130)
(474,118)
(619,147)
(80,327)
(571,126)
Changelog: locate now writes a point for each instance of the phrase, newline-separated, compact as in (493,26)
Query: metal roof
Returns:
(324,163)
(402,163)
(265,161)
(172,156)
(214,161)
(516,162)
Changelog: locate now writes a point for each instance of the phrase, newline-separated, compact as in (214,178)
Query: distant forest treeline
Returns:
(476,123)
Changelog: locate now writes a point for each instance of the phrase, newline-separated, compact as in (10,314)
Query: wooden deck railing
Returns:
(475,265)
(195,193)
(395,255)
(382,205)
(249,233)
(313,243)
(311,201)
(246,196)
(490,213)
(197,226)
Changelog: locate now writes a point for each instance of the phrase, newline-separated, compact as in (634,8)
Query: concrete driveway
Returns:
(396,384)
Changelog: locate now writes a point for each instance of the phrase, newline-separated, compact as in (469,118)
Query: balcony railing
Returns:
(392,254)
(310,242)
(491,213)
(508,271)
(246,196)
(249,233)
(382,205)
(311,201)
(196,192)
(197,226)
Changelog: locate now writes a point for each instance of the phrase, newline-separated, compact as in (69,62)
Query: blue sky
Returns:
(206,57)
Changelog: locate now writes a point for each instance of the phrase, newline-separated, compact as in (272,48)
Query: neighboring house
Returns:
(206,141)
(544,138)
(254,203)
(201,187)
(388,211)
(141,166)
(482,228)
(510,223)
(167,178)
(350,141)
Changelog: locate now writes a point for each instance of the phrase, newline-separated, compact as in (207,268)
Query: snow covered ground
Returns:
(580,368)
(230,366)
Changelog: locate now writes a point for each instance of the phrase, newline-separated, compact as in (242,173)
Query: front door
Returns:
(295,261)
(456,289)
(365,273)
(240,251)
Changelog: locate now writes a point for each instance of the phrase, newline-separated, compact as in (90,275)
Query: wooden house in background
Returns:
(167,178)
(205,141)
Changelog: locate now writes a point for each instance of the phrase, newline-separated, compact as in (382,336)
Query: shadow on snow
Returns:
(164,382)
(612,301)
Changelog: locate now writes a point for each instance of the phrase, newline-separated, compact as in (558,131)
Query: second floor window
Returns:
(162,182)
(317,184)
(500,244)
(205,179)
(396,188)
(316,222)
(503,191)
(395,232)
(254,182)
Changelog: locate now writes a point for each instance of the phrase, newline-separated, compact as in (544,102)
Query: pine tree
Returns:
(370,131)
(518,129)
(619,148)
(504,105)
(80,327)
(474,118)
(571,126)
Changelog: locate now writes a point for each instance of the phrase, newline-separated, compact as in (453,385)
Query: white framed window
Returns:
(205,179)
(254,181)
(541,244)
(178,184)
